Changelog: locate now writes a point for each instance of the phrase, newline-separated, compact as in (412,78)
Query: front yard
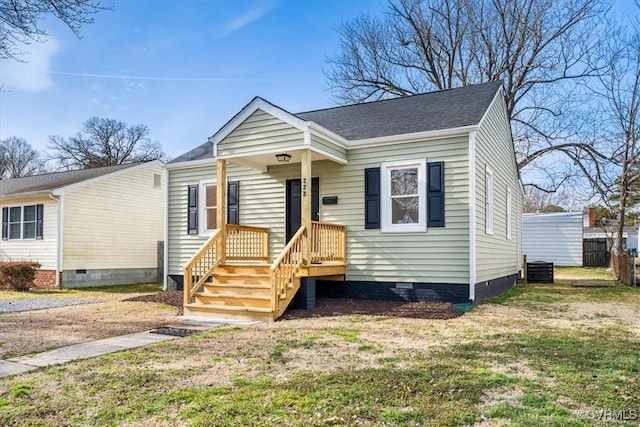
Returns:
(541,355)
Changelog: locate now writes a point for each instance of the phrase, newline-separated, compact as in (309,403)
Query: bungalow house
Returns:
(414,198)
(87,227)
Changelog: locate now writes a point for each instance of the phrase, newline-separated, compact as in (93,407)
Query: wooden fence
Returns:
(595,252)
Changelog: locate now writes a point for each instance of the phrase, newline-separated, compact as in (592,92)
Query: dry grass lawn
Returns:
(40,330)
(541,355)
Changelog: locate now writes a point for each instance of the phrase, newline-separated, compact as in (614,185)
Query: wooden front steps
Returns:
(237,292)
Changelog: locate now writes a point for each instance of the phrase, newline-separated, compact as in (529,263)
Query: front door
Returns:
(294,202)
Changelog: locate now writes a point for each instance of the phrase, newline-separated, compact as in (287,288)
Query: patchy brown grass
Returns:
(40,330)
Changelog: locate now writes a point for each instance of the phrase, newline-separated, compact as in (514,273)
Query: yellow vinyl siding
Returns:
(44,251)
(262,201)
(328,147)
(260,133)
(115,222)
(439,255)
(497,256)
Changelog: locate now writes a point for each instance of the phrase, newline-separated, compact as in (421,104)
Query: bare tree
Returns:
(20,21)
(538,48)
(618,116)
(105,142)
(18,158)
(539,201)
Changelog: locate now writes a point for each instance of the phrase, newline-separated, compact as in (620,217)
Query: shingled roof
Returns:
(446,109)
(203,151)
(55,180)
(440,110)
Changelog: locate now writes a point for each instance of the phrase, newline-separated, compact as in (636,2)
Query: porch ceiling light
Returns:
(283,158)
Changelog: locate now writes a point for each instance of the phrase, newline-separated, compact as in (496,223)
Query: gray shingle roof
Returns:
(204,151)
(447,109)
(431,111)
(52,181)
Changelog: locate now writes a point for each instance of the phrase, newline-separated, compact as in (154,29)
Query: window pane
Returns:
(14,214)
(211,218)
(30,213)
(211,197)
(29,231)
(404,210)
(14,231)
(404,182)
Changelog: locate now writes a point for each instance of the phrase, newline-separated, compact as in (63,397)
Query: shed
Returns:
(553,237)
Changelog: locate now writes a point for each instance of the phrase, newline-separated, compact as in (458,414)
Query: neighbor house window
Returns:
(209,206)
(509,220)
(489,200)
(22,222)
(29,222)
(403,196)
(15,222)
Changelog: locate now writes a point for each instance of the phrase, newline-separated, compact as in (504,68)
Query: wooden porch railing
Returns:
(201,265)
(327,242)
(247,243)
(284,271)
(243,243)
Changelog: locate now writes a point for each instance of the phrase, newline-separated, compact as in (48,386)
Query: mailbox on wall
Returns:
(330,200)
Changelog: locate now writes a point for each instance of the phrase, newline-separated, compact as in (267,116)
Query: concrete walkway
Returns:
(18,365)
(86,350)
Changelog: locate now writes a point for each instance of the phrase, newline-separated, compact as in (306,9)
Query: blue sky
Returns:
(181,67)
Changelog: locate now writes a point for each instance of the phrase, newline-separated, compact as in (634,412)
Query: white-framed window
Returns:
(489,200)
(209,209)
(21,222)
(403,201)
(508,214)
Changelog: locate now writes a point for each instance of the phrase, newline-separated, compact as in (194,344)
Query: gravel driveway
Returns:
(29,304)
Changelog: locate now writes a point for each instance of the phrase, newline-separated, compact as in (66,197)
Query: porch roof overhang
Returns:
(261,161)
(321,142)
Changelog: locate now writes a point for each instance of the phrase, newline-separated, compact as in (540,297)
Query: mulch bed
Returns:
(173,298)
(326,307)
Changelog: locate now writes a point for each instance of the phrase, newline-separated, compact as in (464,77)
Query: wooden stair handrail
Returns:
(283,273)
(209,249)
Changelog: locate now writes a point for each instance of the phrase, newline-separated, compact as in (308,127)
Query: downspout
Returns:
(59,240)
(472,216)
(165,255)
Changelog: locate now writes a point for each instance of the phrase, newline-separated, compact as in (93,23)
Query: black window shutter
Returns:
(372,198)
(5,223)
(233,202)
(192,210)
(435,194)
(39,221)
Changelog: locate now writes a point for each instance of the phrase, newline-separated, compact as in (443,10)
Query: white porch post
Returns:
(305,211)
(221,205)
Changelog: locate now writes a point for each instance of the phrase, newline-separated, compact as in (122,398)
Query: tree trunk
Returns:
(618,246)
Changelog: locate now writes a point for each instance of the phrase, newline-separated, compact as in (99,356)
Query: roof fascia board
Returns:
(326,133)
(328,155)
(249,109)
(29,194)
(413,137)
(486,112)
(61,190)
(190,164)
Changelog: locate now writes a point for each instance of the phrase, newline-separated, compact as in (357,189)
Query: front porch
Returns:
(232,274)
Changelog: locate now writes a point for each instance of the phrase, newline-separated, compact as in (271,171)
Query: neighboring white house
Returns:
(89,227)
(553,237)
(425,188)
